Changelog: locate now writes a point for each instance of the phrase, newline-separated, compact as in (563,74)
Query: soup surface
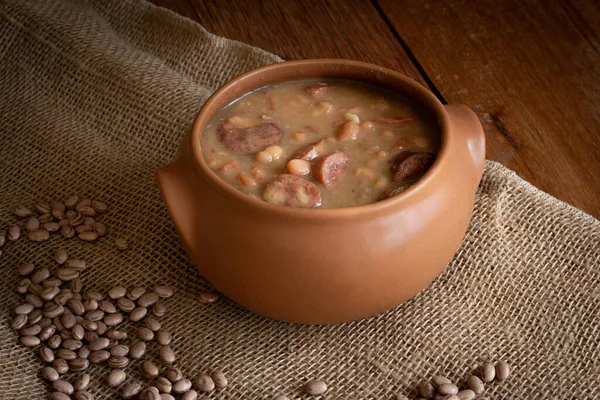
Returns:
(325,144)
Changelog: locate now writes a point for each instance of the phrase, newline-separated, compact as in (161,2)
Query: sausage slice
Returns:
(311,151)
(292,191)
(249,140)
(328,169)
(408,165)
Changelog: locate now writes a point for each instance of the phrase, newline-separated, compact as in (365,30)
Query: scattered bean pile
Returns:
(441,388)
(72,326)
(74,217)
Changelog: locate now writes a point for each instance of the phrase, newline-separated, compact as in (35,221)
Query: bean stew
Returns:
(321,144)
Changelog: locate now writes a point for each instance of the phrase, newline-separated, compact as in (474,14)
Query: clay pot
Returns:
(335,265)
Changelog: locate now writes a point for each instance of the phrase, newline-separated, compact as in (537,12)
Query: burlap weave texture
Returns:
(96,95)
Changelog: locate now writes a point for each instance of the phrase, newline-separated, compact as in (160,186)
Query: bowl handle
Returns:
(175,184)
(465,124)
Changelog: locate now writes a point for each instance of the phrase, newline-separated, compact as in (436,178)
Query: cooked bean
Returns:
(298,167)
(348,131)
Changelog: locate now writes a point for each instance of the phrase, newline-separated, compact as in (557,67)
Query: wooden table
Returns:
(529,68)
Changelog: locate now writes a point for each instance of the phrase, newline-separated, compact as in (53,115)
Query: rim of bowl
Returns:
(434,106)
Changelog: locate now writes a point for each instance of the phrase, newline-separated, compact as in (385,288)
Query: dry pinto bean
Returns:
(45,323)
(50,293)
(90,335)
(116,334)
(204,383)
(121,244)
(136,293)
(152,324)
(315,387)
(149,369)
(164,385)
(426,390)
(22,211)
(79,364)
(190,395)
(116,378)
(99,344)
(113,319)
(51,226)
(14,233)
(117,292)
(119,350)
(83,395)
(90,305)
(32,224)
(67,232)
(138,314)
(163,291)
(63,386)
(19,321)
(35,289)
(71,201)
(49,374)
(58,215)
(46,354)
(34,317)
(40,275)
(159,309)
(131,390)
(447,388)
(475,384)
(83,203)
(63,297)
(26,269)
(90,221)
(118,362)
(150,393)
(94,315)
(145,334)
(23,286)
(182,385)
(147,299)
(86,211)
(72,344)
(439,380)
(163,337)
(89,325)
(38,235)
(25,308)
(54,341)
(52,282)
(126,305)
(400,397)
(75,285)
(47,332)
(137,350)
(174,374)
(502,370)
(102,328)
(107,307)
(35,300)
(59,396)
(467,394)
(84,351)
(98,356)
(219,379)
(61,366)
(76,307)
(78,332)
(76,263)
(67,274)
(32,330)
(488,373)
(88,236)
(167,355)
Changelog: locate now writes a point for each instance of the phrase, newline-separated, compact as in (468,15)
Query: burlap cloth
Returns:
(96,95)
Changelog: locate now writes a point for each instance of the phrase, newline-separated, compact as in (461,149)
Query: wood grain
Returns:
(529,68)
(302,29)
(531,71)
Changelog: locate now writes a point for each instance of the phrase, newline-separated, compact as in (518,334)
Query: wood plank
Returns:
(302,29)
(531,70)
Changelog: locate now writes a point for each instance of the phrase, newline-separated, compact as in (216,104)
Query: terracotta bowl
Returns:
(325,266)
